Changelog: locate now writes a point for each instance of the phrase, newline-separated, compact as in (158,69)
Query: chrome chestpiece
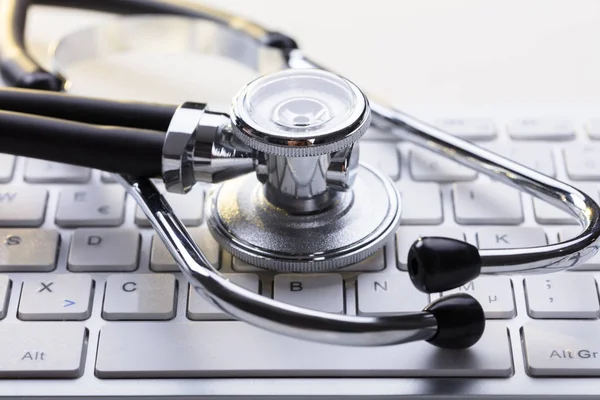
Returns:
(310,205)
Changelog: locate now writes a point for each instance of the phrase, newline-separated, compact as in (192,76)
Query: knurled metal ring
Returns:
(306,143)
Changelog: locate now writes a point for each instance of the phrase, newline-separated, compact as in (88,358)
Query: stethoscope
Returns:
(291,194)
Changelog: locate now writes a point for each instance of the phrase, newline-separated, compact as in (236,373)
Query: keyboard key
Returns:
(5,286)
(22,206)
(200,309)
(406,236)
(494,293)
(383,156)
(188,208)
(510,238)
(581,162)
(547,214)
(42,350)
(384,294)
(421,203)
(487,203)
(593,129)
(323,292)
(7,166)
(541,129)
(56,297)
(162,261)
(42,171)
(562,348)
(107,177)
(104,250)
(93,206)
(28,250)
(373,263)
(236,349)
(427,166)
(566,296)
(535,156)
(468,128)
(592,264)
(139,297)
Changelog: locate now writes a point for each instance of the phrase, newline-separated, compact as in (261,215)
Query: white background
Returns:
(438,53)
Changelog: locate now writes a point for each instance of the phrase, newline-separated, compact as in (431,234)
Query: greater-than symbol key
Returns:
(65,297)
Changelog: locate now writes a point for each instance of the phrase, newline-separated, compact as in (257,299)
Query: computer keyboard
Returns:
(92,305)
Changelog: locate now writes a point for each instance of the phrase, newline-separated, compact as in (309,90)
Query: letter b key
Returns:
(323,292)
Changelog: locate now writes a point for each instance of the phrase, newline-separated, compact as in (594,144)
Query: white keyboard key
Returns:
(494,293)
(56,297)
(487,203)
(231,349)
(7,167)
(385,294)
(139,297)
(323,292)
(188,208)
(22,206)
(42,171)
(589,188)
(510,237)
(107,177)
(562,348)
(427,166)
(548,214)
(593,129)
(541,129)
(406,236)
(161,260)
(421,203)
(28,250)
(93,206)
(200,309)
(383,156)
(534,156)
(242,266)
(373,263)
(592,264)
(5,286)
(570,296)
(468,128)
(104,250)
(42,350)
(582,162)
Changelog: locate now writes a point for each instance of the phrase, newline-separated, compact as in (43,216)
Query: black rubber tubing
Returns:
(19,69)
(109,148)
(87,109)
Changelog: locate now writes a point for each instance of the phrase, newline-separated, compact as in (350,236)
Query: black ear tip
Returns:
(460,319)
(437,264)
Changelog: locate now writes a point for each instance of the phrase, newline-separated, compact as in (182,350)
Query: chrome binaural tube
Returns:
(264,312)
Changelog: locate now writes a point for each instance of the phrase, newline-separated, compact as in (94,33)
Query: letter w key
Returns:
(22,206)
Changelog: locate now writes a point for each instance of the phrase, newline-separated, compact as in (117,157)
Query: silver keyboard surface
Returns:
(91,304)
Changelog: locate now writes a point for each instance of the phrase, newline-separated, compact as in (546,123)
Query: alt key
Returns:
(562,348)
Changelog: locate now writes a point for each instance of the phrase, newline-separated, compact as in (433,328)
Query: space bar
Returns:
(235,349)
